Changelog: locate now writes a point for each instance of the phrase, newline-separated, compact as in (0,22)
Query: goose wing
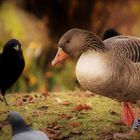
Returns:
(127,46)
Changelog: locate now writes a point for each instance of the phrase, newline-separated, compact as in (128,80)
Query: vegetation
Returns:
(39,29)
(73,115)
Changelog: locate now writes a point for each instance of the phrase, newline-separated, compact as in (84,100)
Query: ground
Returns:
(74,115)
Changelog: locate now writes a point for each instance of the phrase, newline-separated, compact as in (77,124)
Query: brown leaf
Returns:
(45,93)
(3,123)
(65,116)
(53,131)
(75,124)
(29,99)
(81,107)
(43,108)
(66,103)
(38,113)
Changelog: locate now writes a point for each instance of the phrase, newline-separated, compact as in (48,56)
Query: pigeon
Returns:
(110,33)
(11,65)
(21,131)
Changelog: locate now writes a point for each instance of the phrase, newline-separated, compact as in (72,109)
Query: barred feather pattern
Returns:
(94,42)
(128,47)
(125,64)
(120,61)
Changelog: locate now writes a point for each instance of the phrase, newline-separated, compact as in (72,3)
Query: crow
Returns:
(110,33)
(11,65)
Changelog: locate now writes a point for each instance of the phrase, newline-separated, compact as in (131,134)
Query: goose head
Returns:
(74,42)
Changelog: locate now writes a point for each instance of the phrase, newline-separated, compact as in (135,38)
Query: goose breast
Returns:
(92,71)
(109,76)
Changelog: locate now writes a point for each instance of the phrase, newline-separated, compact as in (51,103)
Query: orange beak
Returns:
(60,56)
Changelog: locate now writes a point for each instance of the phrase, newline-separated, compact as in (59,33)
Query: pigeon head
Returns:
(15,118)
(17,122)
(13,45)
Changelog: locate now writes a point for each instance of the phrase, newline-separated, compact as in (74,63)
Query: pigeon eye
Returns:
(16,47)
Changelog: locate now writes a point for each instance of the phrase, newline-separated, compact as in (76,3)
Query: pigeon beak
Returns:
(60,56)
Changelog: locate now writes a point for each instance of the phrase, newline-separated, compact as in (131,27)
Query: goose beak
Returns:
(60,56)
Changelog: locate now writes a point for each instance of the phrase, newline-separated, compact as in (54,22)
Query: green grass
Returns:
(94,124)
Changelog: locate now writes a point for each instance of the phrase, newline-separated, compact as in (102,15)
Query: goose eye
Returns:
(68,41)
(16,47)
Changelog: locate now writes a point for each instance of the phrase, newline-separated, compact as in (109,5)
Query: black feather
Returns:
(11,65)
(110,33)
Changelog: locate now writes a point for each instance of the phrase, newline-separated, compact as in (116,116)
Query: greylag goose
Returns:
(127,113)
(110,68)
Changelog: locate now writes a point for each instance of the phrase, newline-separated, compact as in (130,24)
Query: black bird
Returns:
(110,33)
(11,65)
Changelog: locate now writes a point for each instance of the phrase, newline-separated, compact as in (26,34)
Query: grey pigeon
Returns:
(21,131)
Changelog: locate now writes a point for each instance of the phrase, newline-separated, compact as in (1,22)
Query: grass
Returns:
(54,113)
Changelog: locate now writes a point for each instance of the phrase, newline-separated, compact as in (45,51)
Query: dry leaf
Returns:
(58,100)
(66,103)
(75,124)
(81,107)
(43,108)
(65,116)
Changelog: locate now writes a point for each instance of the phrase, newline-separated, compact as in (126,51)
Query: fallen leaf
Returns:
(43,108)
(22,100)
(75,124)
(66,116)
(81,107)
(66,103)
(38,113)
(53,131)
(3,123)
(58,100)
(76,133)
(45,93)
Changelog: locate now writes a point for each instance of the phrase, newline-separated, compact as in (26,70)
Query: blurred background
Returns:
(40,24)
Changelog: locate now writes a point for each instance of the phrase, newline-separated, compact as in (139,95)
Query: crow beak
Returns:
(60,56)
(16,48)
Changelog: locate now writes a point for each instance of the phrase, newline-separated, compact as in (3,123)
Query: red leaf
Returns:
(75,124)
(66,103)
(65,116)
(81,107)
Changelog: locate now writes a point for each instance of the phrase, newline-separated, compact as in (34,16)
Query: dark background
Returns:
(40,24)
